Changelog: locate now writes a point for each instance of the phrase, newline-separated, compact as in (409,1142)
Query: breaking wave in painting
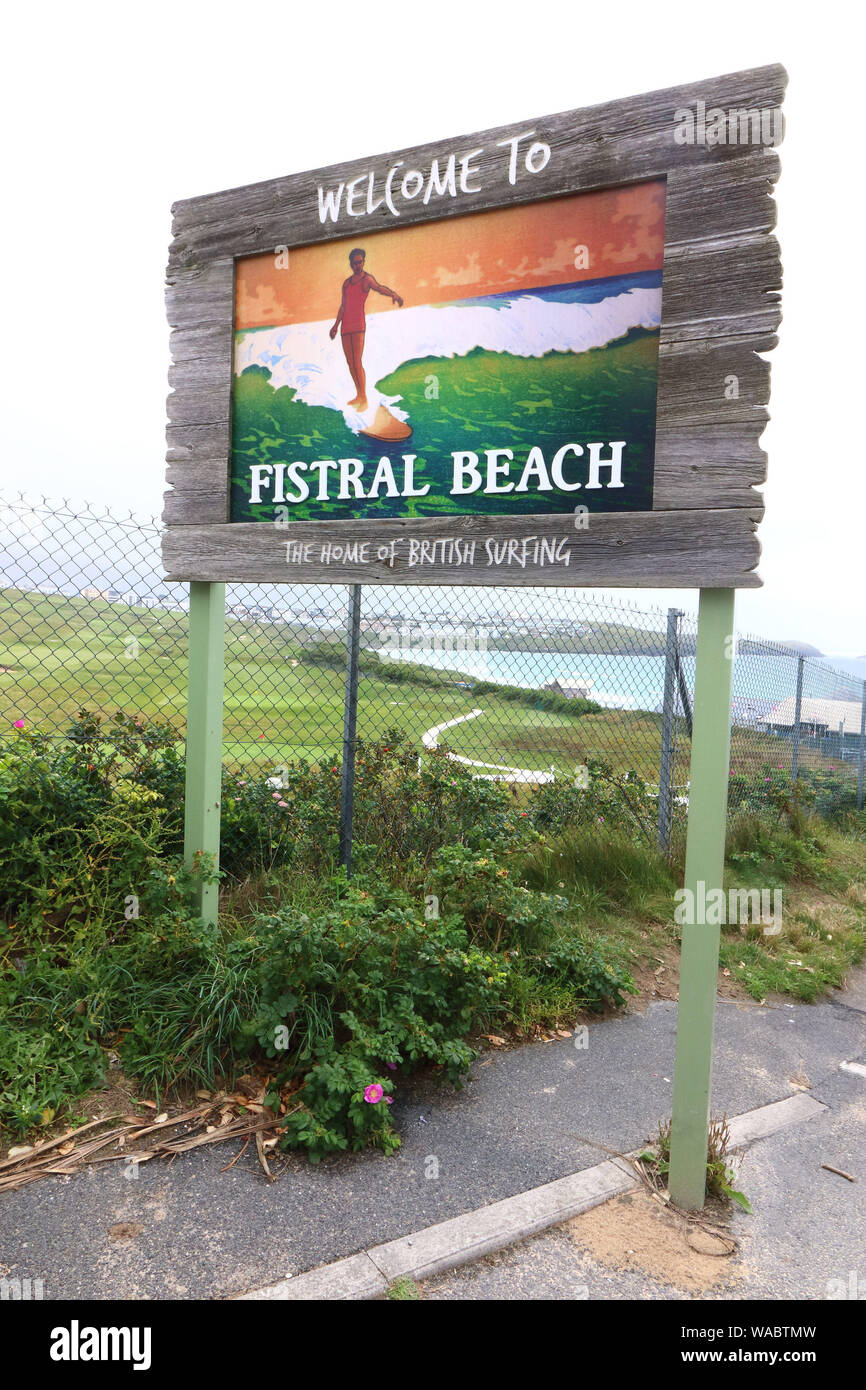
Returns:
(564,318)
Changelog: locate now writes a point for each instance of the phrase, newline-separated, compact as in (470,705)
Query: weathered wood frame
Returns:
(722,276)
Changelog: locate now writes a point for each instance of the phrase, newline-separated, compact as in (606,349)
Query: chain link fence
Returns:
(522,685)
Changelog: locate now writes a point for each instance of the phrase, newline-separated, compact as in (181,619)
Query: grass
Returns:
(823,916)
(283,702)
(623,893)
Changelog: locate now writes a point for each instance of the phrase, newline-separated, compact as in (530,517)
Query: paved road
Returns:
(206,1233)
(805,1239)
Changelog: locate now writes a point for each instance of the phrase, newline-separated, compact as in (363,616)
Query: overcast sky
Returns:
(114,112)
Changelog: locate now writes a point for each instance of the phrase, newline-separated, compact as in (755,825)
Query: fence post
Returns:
(705,861)
(795,732)
(862,760)
(684,689)
(204,735)
(350,719)
(669,713)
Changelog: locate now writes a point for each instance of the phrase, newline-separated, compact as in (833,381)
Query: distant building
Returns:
(817,717)
(572,687)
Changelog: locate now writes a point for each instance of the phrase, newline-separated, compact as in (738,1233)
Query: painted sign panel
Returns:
(504,363)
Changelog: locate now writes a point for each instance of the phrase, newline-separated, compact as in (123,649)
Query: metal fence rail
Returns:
(525,685)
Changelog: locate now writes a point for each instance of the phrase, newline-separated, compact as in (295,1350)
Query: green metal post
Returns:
(204,733)
(705,860)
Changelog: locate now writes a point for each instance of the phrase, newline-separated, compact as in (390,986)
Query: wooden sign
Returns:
(529,356)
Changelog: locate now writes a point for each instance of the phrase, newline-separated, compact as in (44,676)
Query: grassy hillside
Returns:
(284,693)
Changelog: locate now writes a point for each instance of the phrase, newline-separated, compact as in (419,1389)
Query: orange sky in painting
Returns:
(483,253)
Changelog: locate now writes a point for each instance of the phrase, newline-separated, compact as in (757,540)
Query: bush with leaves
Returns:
(600,797)
(535,930)
(360,991)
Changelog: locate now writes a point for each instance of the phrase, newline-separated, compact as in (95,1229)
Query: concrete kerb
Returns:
(476,1233)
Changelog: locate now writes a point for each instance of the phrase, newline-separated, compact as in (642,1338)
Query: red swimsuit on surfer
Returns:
(354,318)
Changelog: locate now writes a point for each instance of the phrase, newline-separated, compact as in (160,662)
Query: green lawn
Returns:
(282,702)
(64,653)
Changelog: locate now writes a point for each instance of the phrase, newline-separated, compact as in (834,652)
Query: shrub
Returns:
(609,799)
(498,912)
(362,985)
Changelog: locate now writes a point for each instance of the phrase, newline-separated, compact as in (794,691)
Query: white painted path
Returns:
(500,773)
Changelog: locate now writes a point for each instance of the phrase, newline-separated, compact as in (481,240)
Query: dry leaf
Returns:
(20,1151)
(204,1095)
(161,1119)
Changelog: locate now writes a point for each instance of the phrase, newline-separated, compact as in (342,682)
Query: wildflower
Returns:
(389,1100)
(373,1093)
(333,769)
(19,724)
(284,804)
(275,796)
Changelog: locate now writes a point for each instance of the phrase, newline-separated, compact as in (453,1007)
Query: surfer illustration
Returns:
(354,322)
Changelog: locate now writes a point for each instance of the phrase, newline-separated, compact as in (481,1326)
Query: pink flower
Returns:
(19,724)
(275,795)
(373,1093)
(284,804)
(389,1100)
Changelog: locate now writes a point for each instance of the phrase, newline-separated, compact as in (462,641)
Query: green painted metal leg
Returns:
(705,859)
(204,733)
